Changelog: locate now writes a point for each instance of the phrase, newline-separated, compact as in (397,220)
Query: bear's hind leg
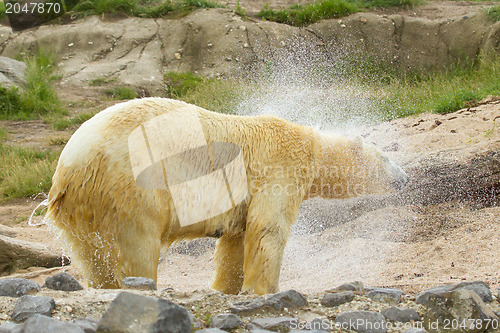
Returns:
(229,264)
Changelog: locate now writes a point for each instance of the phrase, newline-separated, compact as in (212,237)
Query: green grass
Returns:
(121,93)
(38,97)
(24,172)
(102,81)
(494,13)
(3,133)
(141,8)
(442,92)
(60,124)
(216,95)
(301,15)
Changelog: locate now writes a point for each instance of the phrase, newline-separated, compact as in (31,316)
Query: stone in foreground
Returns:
(44,324)
(362,321)
(273,324)
(290,299)
(130,313)
(88,325)
(460,306)
(402,315)
(18,287)
(226,321)
(63,281)
(28,306)
(139,283)
(386,295)
(335,299)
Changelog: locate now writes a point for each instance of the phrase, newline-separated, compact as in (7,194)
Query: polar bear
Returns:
(116,220)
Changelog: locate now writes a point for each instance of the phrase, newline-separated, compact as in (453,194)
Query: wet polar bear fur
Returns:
(116,229)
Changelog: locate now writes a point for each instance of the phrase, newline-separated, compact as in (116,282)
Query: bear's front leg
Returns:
(229,264)
(267,231)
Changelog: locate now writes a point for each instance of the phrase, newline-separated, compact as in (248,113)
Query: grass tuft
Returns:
(148,8)
(301,15)
(102,81)
(60,124)
(494,13)
(121,93)
(24,172)
(38,96)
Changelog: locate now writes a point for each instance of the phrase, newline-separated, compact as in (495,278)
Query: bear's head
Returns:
(347,168)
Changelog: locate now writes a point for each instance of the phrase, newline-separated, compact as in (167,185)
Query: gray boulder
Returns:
(459,306)
(11,73)
(44,324)
(63,281)
(424,296)
(415,330)
(10,327)
(482,289)
(136,313)
(88,325)
(211,330)
(352,286)
(386,295)
(226,321)
(139,283)
(28,306)
(290,299)
(273,323)
(286,299)
(402,315)
(18,287)
(335,299)
(362,321)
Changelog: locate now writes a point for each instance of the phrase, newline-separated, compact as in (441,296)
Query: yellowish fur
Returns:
(116,229)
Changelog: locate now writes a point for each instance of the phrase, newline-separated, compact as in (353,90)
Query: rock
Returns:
(362,321)
(353,286)
(423,297)
(459,306)
(28,306)
(44,324)
(249,307)
(479,287)
(273,323)
(386,295)
(226,321)
(63,281)
(211,330)
(335,299)
(10,327)
(87,324)
(196,324)
(19,254)
(286,299)
(18,287)
(136,313)
(139,283)
(402,315)
(11,73)
(415,330)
